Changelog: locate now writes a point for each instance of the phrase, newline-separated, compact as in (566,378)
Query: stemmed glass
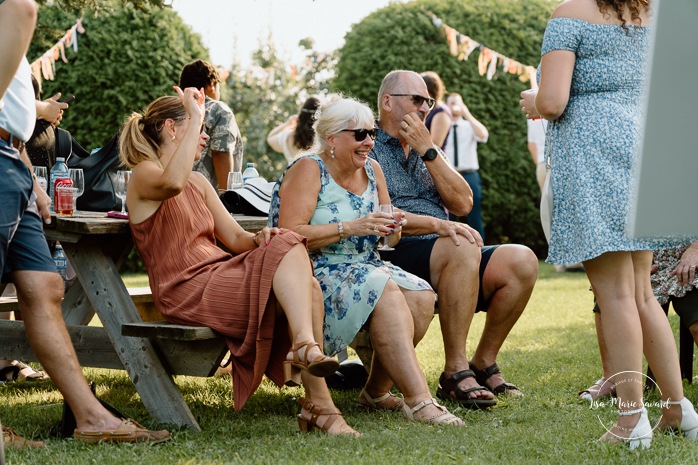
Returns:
(78,178)
(383,240)
(122,180)
(41,177)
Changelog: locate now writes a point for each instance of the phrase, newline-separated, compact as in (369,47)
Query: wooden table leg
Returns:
(77,309)
(108,295)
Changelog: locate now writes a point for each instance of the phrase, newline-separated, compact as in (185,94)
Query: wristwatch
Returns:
(430,154)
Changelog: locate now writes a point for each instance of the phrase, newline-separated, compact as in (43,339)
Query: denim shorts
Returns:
(23,246)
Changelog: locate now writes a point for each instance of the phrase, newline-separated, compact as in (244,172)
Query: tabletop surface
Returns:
(85,222)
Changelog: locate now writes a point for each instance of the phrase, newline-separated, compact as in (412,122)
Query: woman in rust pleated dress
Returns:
(263,298)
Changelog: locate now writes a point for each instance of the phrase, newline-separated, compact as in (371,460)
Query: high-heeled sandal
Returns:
(601,388)
(322,366)
(307,426)
(371,403)
(689,419)
(641,435)
(443,418)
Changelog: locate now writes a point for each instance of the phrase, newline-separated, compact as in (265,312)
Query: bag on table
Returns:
(99,169)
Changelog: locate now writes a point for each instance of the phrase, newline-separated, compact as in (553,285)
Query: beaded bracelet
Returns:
(340,228)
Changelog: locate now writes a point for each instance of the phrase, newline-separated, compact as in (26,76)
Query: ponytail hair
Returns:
(305,134)
(141,134)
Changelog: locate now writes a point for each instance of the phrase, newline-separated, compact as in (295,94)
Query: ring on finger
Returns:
(375,228)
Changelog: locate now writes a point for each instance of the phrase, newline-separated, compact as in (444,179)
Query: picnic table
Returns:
(97,246)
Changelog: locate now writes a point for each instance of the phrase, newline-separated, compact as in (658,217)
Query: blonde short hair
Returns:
(341,113)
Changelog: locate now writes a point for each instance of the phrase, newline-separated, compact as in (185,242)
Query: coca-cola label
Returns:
(63,200)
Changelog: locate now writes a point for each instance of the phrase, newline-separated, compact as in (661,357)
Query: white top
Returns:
(467,145)
(536,134)
(283,143)
(18,114)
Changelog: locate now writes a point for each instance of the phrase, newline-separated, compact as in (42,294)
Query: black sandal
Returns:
(505,388)
(450,390)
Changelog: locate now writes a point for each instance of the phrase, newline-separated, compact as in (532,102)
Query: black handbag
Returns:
(99,169)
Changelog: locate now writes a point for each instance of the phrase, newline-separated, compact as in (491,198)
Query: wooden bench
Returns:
(184,350)
(141,297)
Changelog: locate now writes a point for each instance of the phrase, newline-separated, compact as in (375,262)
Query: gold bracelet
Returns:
(340,228)
(254,238)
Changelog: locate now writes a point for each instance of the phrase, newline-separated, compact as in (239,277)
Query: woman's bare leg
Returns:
(612,277)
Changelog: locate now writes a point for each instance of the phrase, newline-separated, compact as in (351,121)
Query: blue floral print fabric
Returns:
(351,274)
(593,144)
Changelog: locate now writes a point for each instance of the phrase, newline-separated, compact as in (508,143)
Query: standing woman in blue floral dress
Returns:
(593,66)
(330,198)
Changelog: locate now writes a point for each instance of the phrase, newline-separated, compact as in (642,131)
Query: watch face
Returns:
(430,154)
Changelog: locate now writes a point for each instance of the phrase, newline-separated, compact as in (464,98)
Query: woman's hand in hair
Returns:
(193,100)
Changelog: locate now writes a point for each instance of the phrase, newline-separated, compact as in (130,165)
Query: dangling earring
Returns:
(174,138)
(332,152)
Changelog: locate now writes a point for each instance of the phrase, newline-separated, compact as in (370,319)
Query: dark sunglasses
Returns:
(418,99)
(360,134)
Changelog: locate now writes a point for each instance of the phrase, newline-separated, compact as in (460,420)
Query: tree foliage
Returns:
(127,57)
(268,92)
(402,36)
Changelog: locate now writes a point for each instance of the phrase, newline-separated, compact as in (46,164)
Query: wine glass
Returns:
(122,179)
(235,180)
(78,178)
(383,240)
(41,176)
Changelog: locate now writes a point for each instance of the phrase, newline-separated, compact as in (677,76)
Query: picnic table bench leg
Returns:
(108,295)
(77,309)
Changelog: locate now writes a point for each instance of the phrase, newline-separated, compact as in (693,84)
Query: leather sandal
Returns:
(601,388)
(322,366)
(307,426)
(505,388)
(15,441)
(443,418)
(27,373)
(450,390)
(371,403)
(128,431)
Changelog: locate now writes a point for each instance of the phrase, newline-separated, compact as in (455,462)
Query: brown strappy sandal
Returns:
(307,426)
(322,366)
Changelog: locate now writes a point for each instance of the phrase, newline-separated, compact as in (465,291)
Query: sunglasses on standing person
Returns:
(418,99)
(360,134)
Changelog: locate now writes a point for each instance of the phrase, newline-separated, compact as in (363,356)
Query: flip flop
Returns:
(450,390)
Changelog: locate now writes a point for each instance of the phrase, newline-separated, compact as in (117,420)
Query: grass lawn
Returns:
(550,355)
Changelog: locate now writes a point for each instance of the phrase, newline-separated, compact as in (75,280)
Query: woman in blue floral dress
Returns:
(592,70)
(331,199)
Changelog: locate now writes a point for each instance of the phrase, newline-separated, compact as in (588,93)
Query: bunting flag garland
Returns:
(489,61)
(45,66)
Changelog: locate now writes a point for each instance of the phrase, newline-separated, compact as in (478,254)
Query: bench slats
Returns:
(166,330)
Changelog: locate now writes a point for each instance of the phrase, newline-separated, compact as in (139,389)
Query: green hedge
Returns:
(127,58)
(402,36)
